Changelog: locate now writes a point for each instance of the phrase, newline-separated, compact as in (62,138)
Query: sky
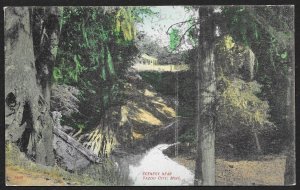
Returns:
(156,26)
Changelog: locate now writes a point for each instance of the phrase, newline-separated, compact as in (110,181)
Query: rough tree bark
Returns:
(206,88)
(290,167)
(27,80)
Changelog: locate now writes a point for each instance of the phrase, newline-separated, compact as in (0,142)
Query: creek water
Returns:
(157,169)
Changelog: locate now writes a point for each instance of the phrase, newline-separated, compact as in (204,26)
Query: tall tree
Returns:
(29,58)
(206,89)
(290,166)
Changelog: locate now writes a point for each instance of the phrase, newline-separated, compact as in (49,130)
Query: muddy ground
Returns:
(16,177)
(261,170)
(268,170)
(265,170)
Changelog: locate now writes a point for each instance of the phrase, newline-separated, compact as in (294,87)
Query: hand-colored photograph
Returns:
(150,95)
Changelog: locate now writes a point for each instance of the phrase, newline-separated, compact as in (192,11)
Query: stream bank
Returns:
(155,168)
(264,170)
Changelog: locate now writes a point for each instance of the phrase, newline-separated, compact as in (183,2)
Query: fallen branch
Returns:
(79,147)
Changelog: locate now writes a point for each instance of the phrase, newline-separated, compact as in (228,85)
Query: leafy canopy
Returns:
(96,46)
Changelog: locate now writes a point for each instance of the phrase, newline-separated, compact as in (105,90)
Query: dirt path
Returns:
(266,171)
(16,177)
(161,68)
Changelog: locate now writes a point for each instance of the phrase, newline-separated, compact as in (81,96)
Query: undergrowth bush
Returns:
(99,175)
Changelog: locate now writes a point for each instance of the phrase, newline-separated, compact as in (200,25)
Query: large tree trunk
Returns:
(27,81)
(290,167)
(206,88)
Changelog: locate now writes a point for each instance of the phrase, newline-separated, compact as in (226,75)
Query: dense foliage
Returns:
(98,45)
(174,38)
(268,32)
(95,49)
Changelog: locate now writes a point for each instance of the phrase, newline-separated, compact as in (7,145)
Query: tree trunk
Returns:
(258,147)
(27,77)
(206,88)
(290,167)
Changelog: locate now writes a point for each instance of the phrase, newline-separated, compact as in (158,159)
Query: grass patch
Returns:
(18,162)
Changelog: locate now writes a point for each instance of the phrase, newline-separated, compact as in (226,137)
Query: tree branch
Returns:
(167,32)
(184,34)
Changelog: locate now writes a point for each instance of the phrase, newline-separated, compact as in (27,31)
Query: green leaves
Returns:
(241,9)
(105,96)
(84,34)
(140,12)
(103,73)
(95,62)
(192,36)
(74,73)
(57,75)
(86,58)
(284,55)
(110,65)
(80,126)
(174,39)
(102,55)
(255,31)
(78,67)
(61,17)
(77,62)
(268,36)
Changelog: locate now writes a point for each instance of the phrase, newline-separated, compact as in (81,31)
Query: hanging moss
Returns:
(125,23)
(239,104)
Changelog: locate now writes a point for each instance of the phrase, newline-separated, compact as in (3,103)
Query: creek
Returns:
(157,169)
(154,168)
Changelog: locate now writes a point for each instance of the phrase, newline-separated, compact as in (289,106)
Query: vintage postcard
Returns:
(149,95)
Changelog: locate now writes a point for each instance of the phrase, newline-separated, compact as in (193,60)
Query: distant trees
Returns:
(252,106)
(269,32)
(163,54)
